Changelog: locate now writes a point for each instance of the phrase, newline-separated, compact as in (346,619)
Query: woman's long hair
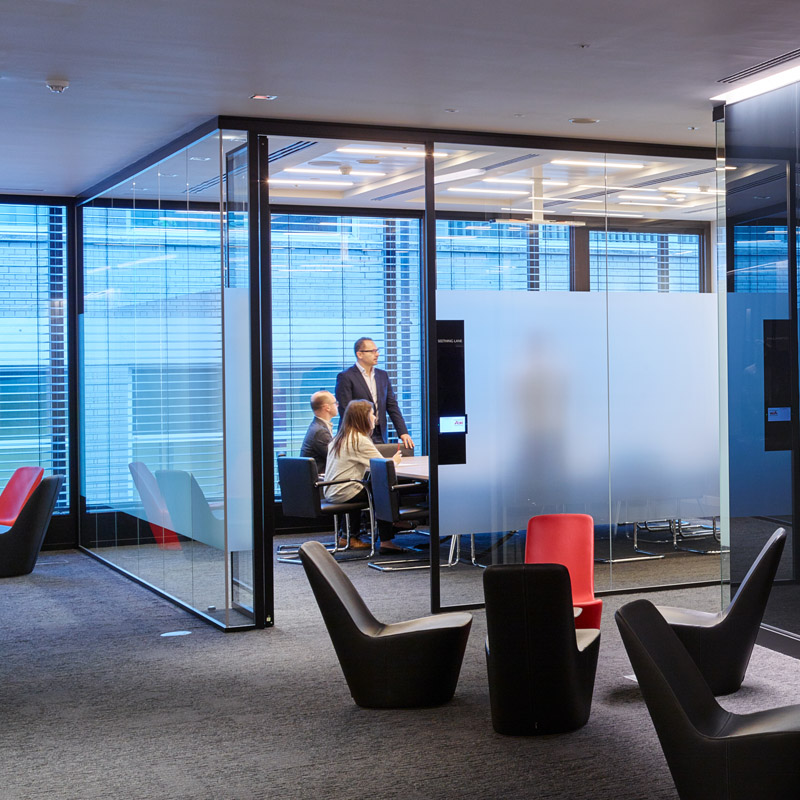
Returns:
(354,421)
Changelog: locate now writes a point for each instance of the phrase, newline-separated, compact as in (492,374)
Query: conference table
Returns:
(414,467)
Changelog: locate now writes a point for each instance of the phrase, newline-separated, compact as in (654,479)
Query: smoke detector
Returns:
(57,85)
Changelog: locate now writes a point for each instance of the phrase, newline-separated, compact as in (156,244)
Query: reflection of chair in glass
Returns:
(388,495)
(155,507)
(568,539)
(541,668)
(721,644)
(301,496)
(711,752)
(21,543)
(189,508)
(409,664)
(19,488)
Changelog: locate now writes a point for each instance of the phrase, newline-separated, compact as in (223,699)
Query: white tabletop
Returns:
(415,467)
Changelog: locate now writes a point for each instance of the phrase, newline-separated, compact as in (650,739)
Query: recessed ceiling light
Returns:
(451,110)
(331,171)
(167,174)
(386,151)
(526,181)
(263,97)
(607,188)
(199,158)
(694,127)
(776,81)
(504,192)
(583,120)
(295,182)
(569,162)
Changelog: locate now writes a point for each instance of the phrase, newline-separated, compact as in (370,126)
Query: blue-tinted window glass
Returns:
(760,259)
(33,329)
(644,262)
(335,279)
(499,255)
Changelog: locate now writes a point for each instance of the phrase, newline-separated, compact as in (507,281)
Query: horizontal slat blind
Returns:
(152,349)
(644,262)
(760,257)
(335,279)
(33,328)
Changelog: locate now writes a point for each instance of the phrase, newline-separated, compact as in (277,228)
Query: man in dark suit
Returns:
(319,433)
(364,381)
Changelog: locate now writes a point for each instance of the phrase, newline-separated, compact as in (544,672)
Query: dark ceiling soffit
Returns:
(149,160)
(36,200)
(336,130)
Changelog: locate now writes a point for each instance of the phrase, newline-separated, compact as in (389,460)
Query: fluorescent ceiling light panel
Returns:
(526,181)
(660,205)
(614,188)
(598,163)
(588,213)
(386,151)
(296,182)
(689,190)
(776,81)
(321,171)
(504,192)
(457,176)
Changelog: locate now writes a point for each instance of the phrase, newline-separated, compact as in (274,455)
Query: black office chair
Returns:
(391,500)
(711,753)
(21,543)
(301,496)
(411,664)
(721,644)
(541,668)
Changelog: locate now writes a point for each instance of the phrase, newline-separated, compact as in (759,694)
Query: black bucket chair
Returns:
(541,669)
(721,644)
(21,543)
(412,664)
(711,752)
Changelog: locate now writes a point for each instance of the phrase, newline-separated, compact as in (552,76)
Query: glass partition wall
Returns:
(165,336)
(582,286)
(580,283)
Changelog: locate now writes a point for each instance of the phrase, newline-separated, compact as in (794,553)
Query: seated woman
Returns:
(348,459)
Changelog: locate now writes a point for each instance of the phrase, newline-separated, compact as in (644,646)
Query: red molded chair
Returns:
(19,488)
(568,539)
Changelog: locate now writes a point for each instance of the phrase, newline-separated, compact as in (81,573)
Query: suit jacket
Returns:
(315,445)
(350,385)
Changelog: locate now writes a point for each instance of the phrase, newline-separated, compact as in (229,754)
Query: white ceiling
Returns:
(143,72)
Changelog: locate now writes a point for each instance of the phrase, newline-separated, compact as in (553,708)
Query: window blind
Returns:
(33,371)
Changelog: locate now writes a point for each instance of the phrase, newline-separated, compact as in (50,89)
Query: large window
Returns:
(335,279)
(760,255)
(644,262)
(33,327)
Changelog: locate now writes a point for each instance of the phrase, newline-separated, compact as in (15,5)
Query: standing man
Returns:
(319,433)
(364,381)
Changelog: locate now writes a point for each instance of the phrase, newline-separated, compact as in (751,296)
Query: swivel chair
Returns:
(721,644)
(21,543)
(301,496)
(189,509)
(568,539)
(411,664)
(541,668)
(711,752)
(155,507)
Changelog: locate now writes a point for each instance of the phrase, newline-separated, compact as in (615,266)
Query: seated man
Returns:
(319,433)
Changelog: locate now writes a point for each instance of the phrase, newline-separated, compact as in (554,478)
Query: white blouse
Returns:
(351,463)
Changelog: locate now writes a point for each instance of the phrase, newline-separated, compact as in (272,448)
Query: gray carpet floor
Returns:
(96,703)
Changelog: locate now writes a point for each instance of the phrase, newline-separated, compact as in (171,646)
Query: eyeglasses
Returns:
(374,350)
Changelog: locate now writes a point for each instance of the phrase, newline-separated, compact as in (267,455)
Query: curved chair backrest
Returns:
(19,488)
(345,613)
(564,539)
(537,683)
(20,545)
(388,450)
(382,477)
(155,507)
(751,597)
(684,712)
(300,496)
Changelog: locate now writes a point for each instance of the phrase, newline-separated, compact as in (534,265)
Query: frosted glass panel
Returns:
(663,398)
(536,399)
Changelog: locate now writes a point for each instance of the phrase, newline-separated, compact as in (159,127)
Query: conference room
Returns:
(226,282)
